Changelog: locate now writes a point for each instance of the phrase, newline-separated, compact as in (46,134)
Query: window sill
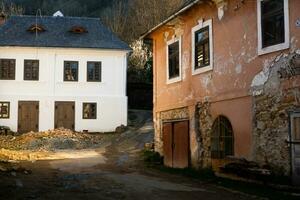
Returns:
(274,48)
(202,70)
(174,80)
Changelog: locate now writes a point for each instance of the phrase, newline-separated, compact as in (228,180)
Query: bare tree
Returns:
(9,9)
(116,17)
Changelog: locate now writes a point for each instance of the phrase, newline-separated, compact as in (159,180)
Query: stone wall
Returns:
(204,121)
(274,98)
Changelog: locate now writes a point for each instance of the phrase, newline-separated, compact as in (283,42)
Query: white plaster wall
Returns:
(110,94)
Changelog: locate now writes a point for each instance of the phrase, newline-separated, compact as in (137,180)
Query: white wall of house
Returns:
(109,94)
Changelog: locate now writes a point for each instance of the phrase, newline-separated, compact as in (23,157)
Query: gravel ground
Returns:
(51,140)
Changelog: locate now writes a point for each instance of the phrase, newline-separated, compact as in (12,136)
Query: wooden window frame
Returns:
(100,71)
(293,116)
(8,109)
(31,70)
(77,71)
(177,78)
(277,47)
(83,107)
(12,68)
(201,26)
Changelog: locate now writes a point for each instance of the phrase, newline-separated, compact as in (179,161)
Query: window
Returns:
(222,138)
(273,25)
(295,126)
(202,46)
(89,111)
(31,70)
(174,61)
(94,71)
(70,71)
(4,110)
(7,69)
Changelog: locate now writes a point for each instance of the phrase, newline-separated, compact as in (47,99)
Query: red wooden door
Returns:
(176,144)
(181,144)
(167,144)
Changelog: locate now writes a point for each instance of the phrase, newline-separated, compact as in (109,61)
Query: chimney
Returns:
(2,18)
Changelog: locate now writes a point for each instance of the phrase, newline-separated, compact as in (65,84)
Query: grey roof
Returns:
(14,33)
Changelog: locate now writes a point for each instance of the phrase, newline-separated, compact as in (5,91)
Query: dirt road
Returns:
(110,172)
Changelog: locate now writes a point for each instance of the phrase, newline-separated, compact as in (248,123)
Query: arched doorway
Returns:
(222,140)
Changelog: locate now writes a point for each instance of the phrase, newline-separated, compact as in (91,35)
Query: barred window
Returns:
(89,111)
(222,143)
(4,110)
(7,69)
(94,71)
(31,70)
(70,71)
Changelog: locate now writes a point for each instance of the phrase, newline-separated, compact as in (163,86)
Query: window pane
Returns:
(272,13)
(94,71)
(4,110)
(7,69)
(173,50)
(71,71)
(202,54)
(31,70)
(89,111)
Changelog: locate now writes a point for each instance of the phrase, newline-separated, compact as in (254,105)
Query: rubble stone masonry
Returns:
(274,99)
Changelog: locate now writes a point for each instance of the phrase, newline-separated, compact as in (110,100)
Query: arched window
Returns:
(222,143)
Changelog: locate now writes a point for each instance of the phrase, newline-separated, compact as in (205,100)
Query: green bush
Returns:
(152,157)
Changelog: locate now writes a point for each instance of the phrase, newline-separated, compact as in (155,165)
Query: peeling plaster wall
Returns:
(227,88)
(275,95)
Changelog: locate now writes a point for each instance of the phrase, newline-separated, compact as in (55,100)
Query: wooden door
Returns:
(65,115)
(168,144)
(181,144)
(28,116)
(176,144)
(295,147)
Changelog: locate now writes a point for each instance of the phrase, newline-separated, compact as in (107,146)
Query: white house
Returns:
(61,72)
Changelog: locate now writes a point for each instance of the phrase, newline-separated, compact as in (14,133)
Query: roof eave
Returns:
(170,18)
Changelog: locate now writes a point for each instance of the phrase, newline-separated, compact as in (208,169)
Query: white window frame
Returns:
(277,47)
(175,79)
(201,25)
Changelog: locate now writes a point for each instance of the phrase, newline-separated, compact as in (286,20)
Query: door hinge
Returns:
(36,126)
(56,107)
(37,107)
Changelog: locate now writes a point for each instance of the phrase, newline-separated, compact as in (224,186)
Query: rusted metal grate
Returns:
(222,140)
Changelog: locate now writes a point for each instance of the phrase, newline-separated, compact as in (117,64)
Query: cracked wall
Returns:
(276,92)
